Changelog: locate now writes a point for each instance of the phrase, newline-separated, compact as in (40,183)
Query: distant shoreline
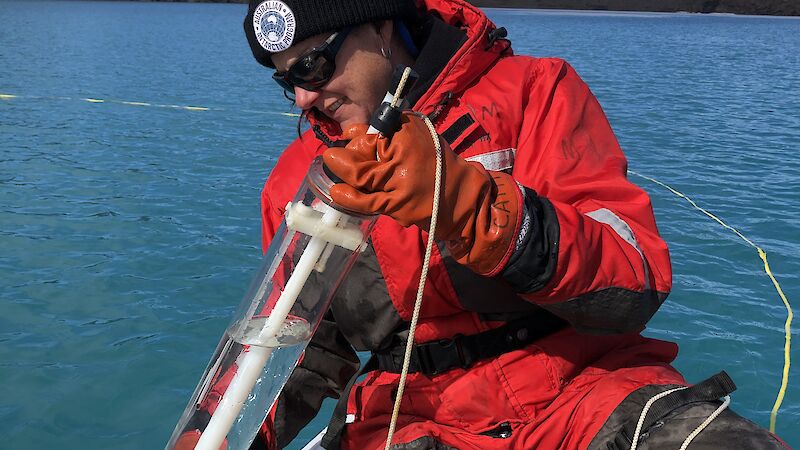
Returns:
(744,7)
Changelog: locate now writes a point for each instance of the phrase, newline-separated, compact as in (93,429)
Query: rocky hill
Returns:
(766,7)
(756,7)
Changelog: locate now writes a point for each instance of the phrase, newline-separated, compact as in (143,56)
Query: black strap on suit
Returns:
(432,358)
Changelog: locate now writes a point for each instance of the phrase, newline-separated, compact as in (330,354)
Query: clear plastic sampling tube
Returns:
(310,255)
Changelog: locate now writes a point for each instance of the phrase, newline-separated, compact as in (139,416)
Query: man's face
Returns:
(359,82)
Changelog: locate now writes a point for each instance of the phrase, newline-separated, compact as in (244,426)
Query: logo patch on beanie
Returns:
(274,25)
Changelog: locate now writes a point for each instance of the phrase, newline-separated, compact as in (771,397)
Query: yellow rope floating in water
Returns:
(763,255)
(134,103)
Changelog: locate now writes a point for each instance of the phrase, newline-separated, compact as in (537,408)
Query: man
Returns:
(548,261)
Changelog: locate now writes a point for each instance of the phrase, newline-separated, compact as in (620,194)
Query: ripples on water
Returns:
(128,233)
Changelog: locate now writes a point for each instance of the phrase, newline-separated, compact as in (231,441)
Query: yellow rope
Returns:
(4,96)
(763,255)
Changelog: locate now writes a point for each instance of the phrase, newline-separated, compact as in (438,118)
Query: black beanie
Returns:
(272,26)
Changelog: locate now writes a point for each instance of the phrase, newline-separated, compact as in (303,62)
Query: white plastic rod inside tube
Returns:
(256,358)
(252,365)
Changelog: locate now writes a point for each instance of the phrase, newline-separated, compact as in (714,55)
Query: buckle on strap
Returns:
(432,358)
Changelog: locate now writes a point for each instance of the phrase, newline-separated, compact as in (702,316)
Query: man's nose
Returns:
(305,99)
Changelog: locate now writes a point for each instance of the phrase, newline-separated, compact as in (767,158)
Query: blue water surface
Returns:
(128,232)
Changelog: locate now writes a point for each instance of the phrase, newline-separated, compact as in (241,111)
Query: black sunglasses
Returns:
(315,68)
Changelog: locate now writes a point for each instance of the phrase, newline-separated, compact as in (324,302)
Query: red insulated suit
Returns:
(599,264)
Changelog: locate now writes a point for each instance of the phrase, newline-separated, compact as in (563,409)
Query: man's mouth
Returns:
(336,105)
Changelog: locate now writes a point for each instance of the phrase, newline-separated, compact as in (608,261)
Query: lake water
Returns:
(129,231)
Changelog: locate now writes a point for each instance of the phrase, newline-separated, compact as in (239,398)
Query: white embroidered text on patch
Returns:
(274,24)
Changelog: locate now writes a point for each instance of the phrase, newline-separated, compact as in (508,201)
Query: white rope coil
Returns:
(646,408)
(693,434)
(718,411)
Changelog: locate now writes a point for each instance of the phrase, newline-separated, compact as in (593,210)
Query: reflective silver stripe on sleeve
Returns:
(622,229)
(498,160)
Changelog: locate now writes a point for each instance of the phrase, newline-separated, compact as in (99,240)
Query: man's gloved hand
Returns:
(479,210)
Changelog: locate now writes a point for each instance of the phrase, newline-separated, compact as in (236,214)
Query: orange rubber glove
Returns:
(189,439)
(479,210)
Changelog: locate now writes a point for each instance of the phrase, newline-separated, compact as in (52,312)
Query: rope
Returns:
(402,84)
(423,275)
(693,434)
(705,423)
(9,97)
(789,314)
(646,408)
